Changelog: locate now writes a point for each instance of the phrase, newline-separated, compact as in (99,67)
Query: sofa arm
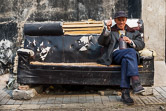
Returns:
(147,59)
(24,57)
(27,52)
(148,63)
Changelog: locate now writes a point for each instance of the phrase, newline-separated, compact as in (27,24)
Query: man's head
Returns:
(120,19)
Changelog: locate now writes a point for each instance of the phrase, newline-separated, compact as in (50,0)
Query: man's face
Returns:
(121,22)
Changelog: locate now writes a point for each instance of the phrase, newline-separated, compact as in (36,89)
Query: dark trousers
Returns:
(127,58)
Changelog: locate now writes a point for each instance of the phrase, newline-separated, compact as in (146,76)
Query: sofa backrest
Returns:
(81,48)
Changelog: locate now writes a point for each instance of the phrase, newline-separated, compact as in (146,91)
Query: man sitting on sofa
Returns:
(127,58)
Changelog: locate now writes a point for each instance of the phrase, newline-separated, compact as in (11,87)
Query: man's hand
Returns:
(127,40)
(109,24)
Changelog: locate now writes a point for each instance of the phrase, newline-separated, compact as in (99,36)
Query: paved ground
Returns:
(159,74)
(81,101)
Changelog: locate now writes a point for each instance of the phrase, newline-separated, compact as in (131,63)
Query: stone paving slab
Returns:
(66,99)
(82,98)
(50,106)
(138,101)
(9,107)
(31,106)
(51,99)
(11,101)
(89,98)
(74,98)
(112,98)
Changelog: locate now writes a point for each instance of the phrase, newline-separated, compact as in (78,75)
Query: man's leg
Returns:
(125,80)
(127,58)
(129,68)
(132,70)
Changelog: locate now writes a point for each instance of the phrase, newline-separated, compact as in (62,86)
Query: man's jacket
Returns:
(111,42)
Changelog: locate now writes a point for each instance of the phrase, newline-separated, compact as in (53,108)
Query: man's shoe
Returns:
(137,87)
(126,97)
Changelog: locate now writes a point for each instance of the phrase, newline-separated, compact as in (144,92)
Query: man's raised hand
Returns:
(109,24)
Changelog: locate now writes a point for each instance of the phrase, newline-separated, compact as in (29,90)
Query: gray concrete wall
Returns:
(67,10)
(153,15)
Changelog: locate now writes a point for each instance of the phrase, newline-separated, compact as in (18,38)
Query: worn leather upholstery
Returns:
(81,48)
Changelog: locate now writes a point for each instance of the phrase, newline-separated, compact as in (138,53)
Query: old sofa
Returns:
(50,56)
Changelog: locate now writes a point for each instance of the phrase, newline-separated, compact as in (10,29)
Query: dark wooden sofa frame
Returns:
(50,57)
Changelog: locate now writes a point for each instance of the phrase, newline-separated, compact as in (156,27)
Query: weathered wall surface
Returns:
(153,14)
(14,13)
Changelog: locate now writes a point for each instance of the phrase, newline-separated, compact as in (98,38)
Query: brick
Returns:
(101,93)
(23,87)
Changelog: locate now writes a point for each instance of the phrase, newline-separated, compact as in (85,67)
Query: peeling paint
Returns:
(30,52)
(85,40)
(44,52)
(34,42)
(41,49)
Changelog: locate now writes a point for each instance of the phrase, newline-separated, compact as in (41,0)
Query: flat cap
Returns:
(120,14)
